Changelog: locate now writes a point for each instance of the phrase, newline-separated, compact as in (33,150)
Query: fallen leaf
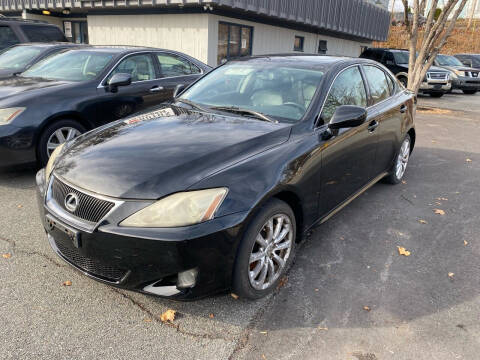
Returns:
(450,275)
(404,182)
(442,199)
(263,332)
(468,160)
(7,256)
(283,281)
(67,283)
(439,211)
(465,242)
(147,320)
(403,251)
(235,296)
(366,308)
(263,357)
(438,203)
(20,206)
(434,141)
(323,328)
(168,316)
(211,316)
(421,221)
(316,289)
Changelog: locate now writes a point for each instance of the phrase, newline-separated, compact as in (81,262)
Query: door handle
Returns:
(373,125)
(156,89)
(403,109)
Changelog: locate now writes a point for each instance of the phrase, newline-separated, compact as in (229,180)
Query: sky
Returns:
(399,5)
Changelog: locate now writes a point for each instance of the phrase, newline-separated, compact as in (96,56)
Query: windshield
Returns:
(401,57)
(280,92)
(73,65)
(445,60)
(18,57)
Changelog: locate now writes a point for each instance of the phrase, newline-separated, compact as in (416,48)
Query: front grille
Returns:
(89,207)
(437,75)
(93,267)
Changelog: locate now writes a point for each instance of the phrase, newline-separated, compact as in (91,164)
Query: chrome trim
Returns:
(161,290)
(100,86)
(57,251)
(71,219)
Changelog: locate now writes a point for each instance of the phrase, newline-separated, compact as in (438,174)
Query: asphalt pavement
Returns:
(349,295)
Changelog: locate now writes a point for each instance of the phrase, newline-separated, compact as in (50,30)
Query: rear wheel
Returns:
(266,250)
(436,94)
(56,134)
(401,162)
(469,92)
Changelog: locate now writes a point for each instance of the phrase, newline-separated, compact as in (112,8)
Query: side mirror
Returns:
(347,116)
(178,89)
(119,79)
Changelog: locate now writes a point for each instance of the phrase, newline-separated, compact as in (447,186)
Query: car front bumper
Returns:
(435,86)
(147,260)
(466,83)
(16,146)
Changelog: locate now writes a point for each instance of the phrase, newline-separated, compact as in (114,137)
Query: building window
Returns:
(298,45)
(322,47)
(234,40)
(76,31)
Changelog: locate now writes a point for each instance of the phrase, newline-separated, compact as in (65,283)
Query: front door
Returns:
(348,156)
(144,91)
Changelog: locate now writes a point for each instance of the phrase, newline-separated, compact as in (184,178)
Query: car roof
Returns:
(301,60)
(50,44)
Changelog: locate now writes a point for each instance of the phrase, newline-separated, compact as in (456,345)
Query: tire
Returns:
(404,81)
(245,283)
(470,92)
(436,94)
(49,136)
(396,176)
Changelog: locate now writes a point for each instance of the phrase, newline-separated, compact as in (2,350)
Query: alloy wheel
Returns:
(270,251)
(60,136)
(402,159)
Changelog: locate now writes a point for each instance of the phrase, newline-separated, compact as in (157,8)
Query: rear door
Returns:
(349,155)
(388,109)
(174,70)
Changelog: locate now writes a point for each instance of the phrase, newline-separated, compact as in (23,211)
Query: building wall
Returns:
(47,18)
(269,39)
(187,33)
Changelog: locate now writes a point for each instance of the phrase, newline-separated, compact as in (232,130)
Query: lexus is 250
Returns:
(212,191)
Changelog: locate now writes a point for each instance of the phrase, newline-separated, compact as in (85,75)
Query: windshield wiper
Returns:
(191,103)
(238,110)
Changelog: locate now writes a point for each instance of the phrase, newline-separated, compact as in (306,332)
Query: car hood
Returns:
(432,68)
(168,150)
(16,84)
(459,68)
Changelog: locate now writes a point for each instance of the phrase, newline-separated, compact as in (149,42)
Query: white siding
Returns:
(269,39)
(187,33)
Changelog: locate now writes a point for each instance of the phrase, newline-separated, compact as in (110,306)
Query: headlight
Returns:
(51,161)
(458,72)
(180,209)
(453,74)
(7,115)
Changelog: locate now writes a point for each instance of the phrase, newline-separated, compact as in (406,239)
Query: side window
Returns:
(140,67)
(388,58)
(377,79)
(348,89)
(171,65)
(391,84)
(7,37)
(36,33)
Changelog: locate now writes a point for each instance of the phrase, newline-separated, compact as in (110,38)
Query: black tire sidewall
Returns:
(241,282)
(42,156)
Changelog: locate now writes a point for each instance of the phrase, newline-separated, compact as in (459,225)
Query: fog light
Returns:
(187,279)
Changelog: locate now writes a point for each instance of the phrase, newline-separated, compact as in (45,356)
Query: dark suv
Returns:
(472,60)
(16,31)
(436,83)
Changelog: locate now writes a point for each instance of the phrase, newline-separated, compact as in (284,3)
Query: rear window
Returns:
(7,37)
(38,33)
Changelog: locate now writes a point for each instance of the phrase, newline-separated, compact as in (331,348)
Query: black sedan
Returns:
(76,90)
(18,58)
(212,191)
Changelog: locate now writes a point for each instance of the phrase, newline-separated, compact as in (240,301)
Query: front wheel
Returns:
(55,135)
(401,162)
(470,92)
(436,94)
(266,250)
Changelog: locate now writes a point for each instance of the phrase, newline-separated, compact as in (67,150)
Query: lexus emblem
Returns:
(71,202)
